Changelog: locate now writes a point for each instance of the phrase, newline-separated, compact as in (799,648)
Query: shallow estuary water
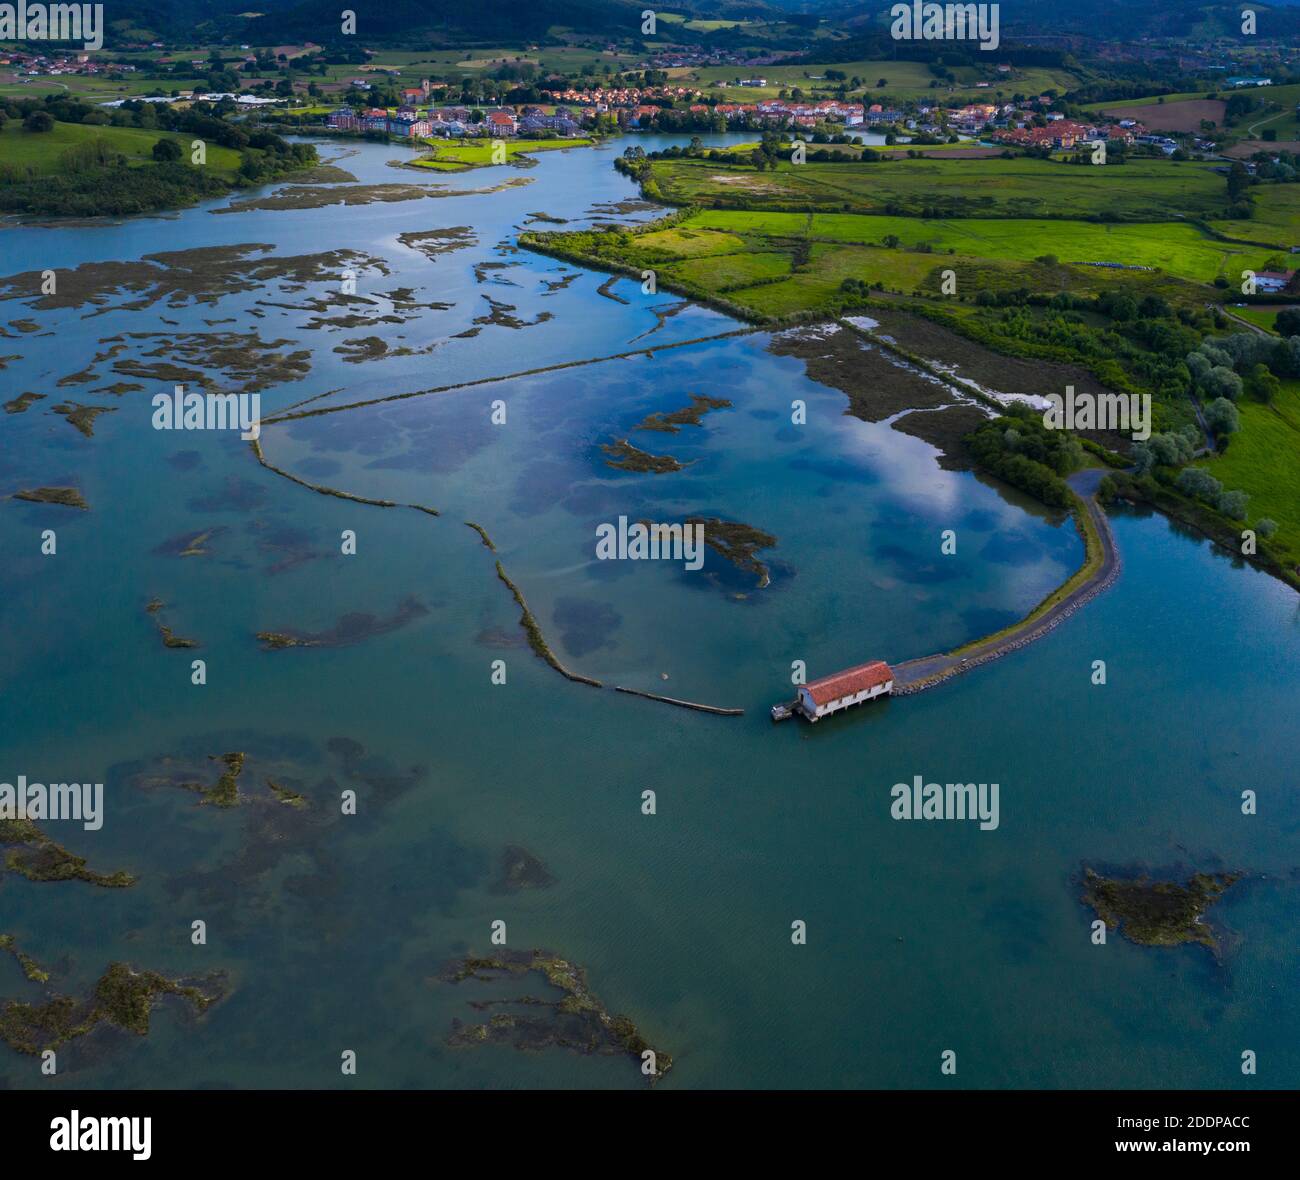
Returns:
(332,931)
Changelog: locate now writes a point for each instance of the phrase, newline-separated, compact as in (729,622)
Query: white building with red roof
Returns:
(853,686)
(1272,281)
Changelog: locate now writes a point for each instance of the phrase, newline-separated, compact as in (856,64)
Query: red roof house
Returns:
(854,685)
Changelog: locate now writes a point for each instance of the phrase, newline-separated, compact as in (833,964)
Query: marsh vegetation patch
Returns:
(574,1020)
(1158,913)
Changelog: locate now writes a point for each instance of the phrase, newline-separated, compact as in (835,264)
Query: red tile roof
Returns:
(849,682)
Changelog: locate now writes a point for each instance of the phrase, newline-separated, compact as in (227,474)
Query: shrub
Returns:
(1199,483)
(1019,449)
(88,157)
(1222,382)
(1233,505)
(1222,416)
(1288,321)
(166,150)
(1263,385)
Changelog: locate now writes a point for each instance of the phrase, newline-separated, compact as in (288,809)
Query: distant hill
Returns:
(399,22)
(420,23)
(1097,19)
(504,22)
(171,20)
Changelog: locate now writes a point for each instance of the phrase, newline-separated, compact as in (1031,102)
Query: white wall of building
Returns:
(843,702)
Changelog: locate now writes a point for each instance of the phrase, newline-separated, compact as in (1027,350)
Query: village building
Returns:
(536,119)
(1272,281)
(409,126)
(853,686)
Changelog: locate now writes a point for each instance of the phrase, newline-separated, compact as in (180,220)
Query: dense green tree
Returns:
(166,150)
(1233,504)
(1199,483)
(1262,383)
(1222,416)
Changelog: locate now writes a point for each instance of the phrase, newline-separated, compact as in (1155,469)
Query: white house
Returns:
(853,686)
(1273,280)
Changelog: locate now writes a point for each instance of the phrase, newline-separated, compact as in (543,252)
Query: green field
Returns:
(41,150)
(407,68)
(1281,95)
(903,80)
(1262,317)
(704,26)
(1277,112)
(777,244)
(776,264)
(741,151)
(454,64)
(1263,460)
(1179,250)
(93,88)
(460,155)
(1276,216)
(1140,190)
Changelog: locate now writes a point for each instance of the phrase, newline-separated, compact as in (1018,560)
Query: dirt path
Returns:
(1272,116)
(1245,323)
(927,671)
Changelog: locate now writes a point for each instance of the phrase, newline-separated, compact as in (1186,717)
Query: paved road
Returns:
(917,675)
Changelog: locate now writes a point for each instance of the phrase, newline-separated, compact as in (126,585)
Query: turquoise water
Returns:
(921,937)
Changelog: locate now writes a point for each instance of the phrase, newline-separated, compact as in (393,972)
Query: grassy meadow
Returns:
(775,264)
(1261,317)
(463,154)
(1180,250)
(1275,217)
(1281,95)
(1141,190)
(899,80)
(41,151)
(1263,460)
